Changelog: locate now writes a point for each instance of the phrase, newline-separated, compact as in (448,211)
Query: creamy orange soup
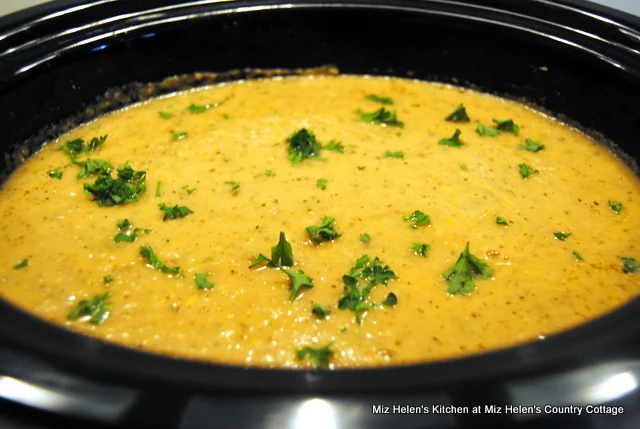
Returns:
(547,227)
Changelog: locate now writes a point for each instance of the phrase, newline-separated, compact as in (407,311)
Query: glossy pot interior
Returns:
(575,60)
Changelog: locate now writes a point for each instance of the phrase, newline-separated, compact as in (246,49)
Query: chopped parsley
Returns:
(22,264)
(501,221)
(485,130)
(91,167)
(201,108)
(420,249)
(108,191)
(125,233)
(303,145)
(179,135)
(335,146)
(507,125)
(460,276)
(281,255)
(389,154)
(147,252)
(175,212)
(362,278)
(323,232)
(165,115)
(577,256)
(76,147)
(391,300)
(458,115)
(615,206)
(365,238)
(298,280)
(319,356)
(526,170)
(96,310)
(159,189)
(531,146)
(187,190)
(269,173)
(629,265)
(562,236)
(322,184)
(201,281)
(381,117)
(418,218)
(361,168)
(108,278)
(463,167)
(56,173)
(320,311)
(379,99)
(235,186)
(453,141)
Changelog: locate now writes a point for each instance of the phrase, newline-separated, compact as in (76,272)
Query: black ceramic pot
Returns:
(571,58)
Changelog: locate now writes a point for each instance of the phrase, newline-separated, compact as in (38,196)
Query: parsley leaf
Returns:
(108,278)
(147,252)
(389,154)
(165,115)
(381,117)
(125,234)
(303,145)
(526,170)
(22,264)
(485,130)
(298,280)
(260,259)
(174,212)
(323,232)
(418,218)
(391,300)
(108,191)
(201,281)
(629,265)
(453,141)
(201,108)
(322,184)
(179,135)
(97,309)
(269,173)
(335,146)
(56,173)
(507,125)
(159,189)
(615,206)
(532,146)
(379,99)
(282,252)
(460,276)
(420,249)
(577,256)
(365,238)
(458,115)
(319,356)
(320,311)
(501,221)
(93,166)
(235,186)
(562,236)
(73,148)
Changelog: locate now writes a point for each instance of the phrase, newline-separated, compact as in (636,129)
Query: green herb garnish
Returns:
(175,212)
(418,218)
(22,264)
(147,252)
(298,280)
(461,275)
(179,135)
(201,108)
(507,125)
(73,148)
(531,146)
(501,221)
(108,278)
(165,115)
(125,233)
(365,238)
(577,256)
(320,311)
(389,154)
(56,173)
(453,141)
(93,166)
(391,300)
(235,186)
(379,99)
(420,249)
(335,146)
(319,356)
(615,206)
(269,173)
(201,281)
(485,130)
(381,117)
(562,236)
(322,184)
(323,232)
(629,265)
(458,115)
(281,255)
(159,189)
(526,170)
(108,191)
(303,145)
(97,309)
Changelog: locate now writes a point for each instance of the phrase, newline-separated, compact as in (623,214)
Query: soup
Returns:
(324,221)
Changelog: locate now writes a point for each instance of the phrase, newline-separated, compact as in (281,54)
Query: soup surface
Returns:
(551,218)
